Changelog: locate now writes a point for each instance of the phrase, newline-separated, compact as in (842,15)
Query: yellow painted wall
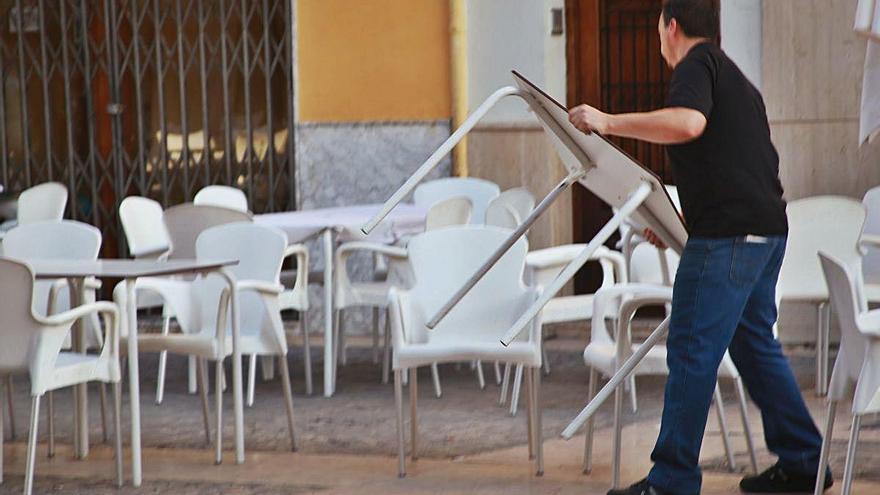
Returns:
(369,60)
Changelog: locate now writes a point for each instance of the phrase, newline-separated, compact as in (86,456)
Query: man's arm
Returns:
(667,126)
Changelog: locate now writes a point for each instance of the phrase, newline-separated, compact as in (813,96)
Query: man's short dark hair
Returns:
(697,18)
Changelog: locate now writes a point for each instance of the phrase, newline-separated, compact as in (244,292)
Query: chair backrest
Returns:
(145,230)
(443,260)
(871,260)
(511,205)
(847,299)
(43,202)
(62,239)
(186,221)
(831,224)
(223,197)
(18,338)
(449,212)
(646,265)
(260,252)
(479,191)
(65,239)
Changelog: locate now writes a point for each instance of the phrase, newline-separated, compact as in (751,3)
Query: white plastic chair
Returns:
(184,223)
(479,191)
(470,331)
(605,353)
(42,202)
(857,367)
(542,266)
(222,196)
(144,227)
(48,366)
(871,237)
(510,208)
(202,308)
(832,224)
(348,293)
(67,240)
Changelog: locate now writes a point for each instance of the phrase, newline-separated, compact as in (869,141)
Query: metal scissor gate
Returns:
(147,97)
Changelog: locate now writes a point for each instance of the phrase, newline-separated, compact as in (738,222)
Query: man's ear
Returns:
(672,28)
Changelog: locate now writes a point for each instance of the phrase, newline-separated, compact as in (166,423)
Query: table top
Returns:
(125,268)
(406,219)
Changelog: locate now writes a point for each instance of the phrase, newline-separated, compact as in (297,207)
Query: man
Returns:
(726,168)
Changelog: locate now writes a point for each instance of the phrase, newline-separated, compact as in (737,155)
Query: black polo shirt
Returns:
(728,178)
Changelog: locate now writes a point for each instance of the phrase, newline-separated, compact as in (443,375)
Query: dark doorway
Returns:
(614,63)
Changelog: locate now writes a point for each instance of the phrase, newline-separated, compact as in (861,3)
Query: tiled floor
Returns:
(468,444)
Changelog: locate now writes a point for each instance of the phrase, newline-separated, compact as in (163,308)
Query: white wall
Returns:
(741,36)
(513,34)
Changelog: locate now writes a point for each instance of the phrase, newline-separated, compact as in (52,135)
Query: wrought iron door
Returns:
(634,76)
(147,97)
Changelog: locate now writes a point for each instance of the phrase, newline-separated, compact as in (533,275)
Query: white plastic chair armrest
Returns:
(346,250)
(71,315)
(260,286)
(399,307)
(342,282)
(298,296)
(869,322)
(93,283)
(869,241)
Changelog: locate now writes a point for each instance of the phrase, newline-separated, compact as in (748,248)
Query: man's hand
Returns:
(653,239)
(589,119)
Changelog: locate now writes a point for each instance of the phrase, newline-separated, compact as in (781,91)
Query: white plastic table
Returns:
(342,224)
(129,270)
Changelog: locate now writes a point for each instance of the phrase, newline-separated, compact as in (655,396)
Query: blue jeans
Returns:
(724,298)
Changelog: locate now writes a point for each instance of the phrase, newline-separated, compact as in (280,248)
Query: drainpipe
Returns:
(459,80)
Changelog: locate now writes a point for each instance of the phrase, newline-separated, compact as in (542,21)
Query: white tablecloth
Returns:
(405,219)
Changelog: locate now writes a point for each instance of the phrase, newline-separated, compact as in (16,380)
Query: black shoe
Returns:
(777,480)
(640,488)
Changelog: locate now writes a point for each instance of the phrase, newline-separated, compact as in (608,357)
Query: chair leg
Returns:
(821,349)
(633,400)
(163,363)
(530,417)
(514,393)
(618,433)
(747,428)
(401,441)
(850,467)
(288,400)
(32,446)
(545,359)
(191,385)
(505,384)
(268,367)
(536,408)
(202,379)
(252,379)
(588,436)
(1,444)
(413,421)
(826,447)
(497,373)
(375,335)
(481,379)
(435,376)
(307,350)
(386,356)
(10,405)
(725,433)
(218,396)
(50,420)
(117,430)
(102,393)
(337,323)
